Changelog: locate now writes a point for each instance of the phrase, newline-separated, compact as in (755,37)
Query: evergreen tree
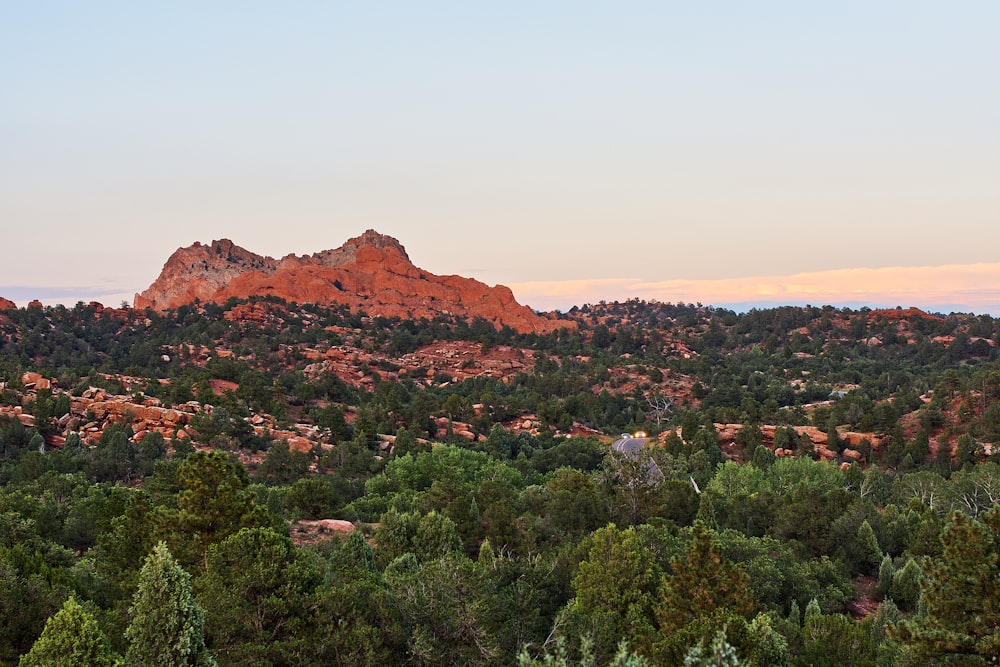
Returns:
(441,601)
(905,590)
(435,537)
(794,615)
(702,582)
(167,626)
(717,654)
(813,610)
(259,591)
(561,658)
(71,638)
(962,597)
(885,572)
(214,502)
(615,587)
(868,552)
(704,594)
(767,646)
(836,640)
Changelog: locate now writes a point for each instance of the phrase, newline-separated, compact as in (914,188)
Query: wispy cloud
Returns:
(949,288)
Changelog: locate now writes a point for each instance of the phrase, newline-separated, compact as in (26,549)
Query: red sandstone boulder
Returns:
(35,381)
(7,304)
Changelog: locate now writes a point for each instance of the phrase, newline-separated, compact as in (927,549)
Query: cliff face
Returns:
(371,273)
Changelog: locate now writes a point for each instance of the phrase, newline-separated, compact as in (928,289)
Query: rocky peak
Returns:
(371,272)
(199,272)
(378,245)
(7,304)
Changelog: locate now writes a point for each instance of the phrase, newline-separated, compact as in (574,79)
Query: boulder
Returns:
(35,381)
(336,525)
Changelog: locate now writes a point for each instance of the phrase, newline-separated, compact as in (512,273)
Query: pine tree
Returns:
(813,610)
(702,582)
(767,645)
(214,503)
(794,615)
(615,587)
(704,594)
(869,554)
(885,572)
(961,594)
(71,638)
(167,625)
(717,654)
(905,590)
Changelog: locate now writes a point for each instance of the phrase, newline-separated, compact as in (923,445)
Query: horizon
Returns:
(898,287)
(913,287)
(732,154)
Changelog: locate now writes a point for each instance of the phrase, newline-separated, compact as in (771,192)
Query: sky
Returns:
(731,153)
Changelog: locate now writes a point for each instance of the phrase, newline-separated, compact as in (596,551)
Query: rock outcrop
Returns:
(908,314)
(7,304)
(370,273)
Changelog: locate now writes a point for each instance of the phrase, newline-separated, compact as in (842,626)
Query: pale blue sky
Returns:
(512,142)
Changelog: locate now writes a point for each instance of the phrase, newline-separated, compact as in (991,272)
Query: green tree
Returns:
(167,627)
(259,592)
(71,638)
(767,646)
(836,641)
(703,594)
(282,465)
(867,552)
(718,653)
(442,603)
(312,498)
(905,590)
(961,594)
(574,505)
(615,589)
(561,658)
(435,537)
(405,443)
(885,573)
(701,582)
(213,503)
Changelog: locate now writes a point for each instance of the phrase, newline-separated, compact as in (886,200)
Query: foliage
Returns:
(623,658)
(71,638)
(167,626)
(576,548)
(961,594)
(259,592)
(719,653)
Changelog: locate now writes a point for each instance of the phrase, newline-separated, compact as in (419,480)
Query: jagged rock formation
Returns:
(6,304)
(371,273)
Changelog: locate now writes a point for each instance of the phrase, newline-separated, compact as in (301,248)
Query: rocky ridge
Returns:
(370,273)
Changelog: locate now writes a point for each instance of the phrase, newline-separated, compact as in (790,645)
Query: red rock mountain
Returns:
(371,273)
(6,304)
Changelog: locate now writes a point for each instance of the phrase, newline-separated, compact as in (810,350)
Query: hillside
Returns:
(381,468)
(371,273)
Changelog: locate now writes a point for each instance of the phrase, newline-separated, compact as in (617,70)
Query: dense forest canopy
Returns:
(269,483)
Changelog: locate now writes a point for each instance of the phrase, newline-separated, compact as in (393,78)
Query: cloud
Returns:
(948,288)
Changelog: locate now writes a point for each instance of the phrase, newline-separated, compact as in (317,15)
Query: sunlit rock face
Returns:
(371,273)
